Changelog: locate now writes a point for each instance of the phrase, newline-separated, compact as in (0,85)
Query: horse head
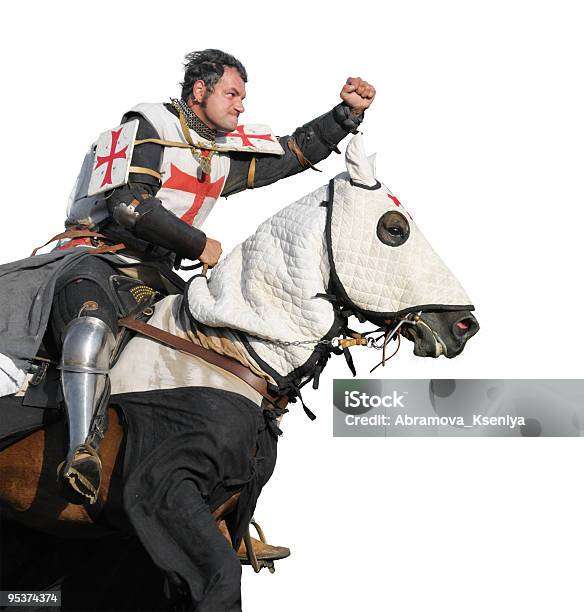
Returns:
(350,247)
(384,270)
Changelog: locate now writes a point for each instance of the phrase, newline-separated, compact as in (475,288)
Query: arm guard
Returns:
(148,220)
(308,145)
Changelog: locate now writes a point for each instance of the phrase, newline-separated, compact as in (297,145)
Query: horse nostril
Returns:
(464,325)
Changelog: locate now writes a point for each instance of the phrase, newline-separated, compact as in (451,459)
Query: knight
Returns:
(147,187)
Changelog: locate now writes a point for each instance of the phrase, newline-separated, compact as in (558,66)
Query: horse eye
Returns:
(393,228)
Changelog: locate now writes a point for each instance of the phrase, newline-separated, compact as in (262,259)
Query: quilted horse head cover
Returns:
(353,236)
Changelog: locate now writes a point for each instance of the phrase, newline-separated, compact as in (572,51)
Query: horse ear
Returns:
(358,166)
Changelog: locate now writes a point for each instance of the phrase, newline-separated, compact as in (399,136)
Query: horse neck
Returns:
(287,253)
(297,265)
(266,287)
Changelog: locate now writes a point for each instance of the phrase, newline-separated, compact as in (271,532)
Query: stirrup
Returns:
(81,475)
(258,553)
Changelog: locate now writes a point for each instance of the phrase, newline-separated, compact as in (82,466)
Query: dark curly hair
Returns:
(208,66)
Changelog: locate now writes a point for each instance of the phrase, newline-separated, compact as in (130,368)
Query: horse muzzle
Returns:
(441,333)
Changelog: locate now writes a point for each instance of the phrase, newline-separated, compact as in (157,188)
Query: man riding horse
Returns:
(192,146)
(193,439)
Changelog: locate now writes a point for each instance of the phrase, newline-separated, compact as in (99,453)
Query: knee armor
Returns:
(87,348)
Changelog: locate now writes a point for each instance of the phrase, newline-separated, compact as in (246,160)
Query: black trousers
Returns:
(88,281)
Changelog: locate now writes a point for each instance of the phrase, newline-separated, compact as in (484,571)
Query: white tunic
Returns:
(186,190)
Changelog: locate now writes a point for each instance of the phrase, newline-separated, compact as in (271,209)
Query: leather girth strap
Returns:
(221,361)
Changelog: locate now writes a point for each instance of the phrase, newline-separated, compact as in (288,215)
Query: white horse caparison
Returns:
(279,299)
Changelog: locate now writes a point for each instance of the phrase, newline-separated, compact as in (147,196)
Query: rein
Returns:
(341,344)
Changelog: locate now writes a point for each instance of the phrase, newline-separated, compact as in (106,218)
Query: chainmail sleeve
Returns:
(307,146)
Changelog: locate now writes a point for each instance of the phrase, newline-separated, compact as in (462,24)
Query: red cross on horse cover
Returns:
(113,154)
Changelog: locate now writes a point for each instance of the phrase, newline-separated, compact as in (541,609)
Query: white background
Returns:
(479,127)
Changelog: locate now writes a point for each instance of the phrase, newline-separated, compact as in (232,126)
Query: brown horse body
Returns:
(29,492)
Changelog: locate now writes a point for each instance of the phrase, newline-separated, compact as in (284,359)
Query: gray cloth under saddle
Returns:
(26,293)
(27,287)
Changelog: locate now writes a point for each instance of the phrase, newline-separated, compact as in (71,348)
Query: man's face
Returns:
(221,108)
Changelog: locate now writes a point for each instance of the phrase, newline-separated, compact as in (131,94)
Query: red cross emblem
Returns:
(245,138)
(398,203)
(202,188)
(395,200)
(109,159)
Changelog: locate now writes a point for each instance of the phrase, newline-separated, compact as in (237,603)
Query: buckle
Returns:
(40,373)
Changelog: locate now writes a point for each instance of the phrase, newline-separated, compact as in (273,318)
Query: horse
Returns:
(277,306)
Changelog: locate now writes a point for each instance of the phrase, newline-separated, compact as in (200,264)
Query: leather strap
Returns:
(164,143)
(221,511)
(176,144)
(225,363)
(114,248)
(251,173)
(297,152)
(69,234)
(141,170)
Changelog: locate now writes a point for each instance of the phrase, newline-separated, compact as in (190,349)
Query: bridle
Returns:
(390,332)
(394,329)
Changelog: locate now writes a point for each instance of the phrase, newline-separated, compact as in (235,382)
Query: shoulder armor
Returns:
(111,158)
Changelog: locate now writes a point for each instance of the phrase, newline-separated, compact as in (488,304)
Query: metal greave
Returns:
(85,358)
